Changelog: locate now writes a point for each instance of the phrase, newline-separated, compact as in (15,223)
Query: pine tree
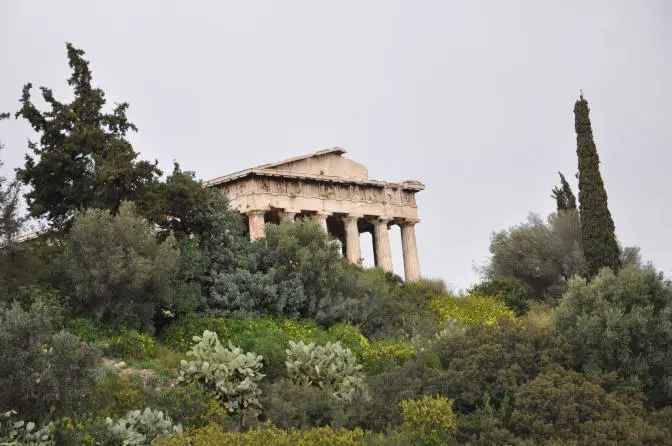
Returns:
(597,226)
(563,195)
(83,158)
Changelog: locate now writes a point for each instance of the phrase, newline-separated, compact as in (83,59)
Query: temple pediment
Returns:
(329,162)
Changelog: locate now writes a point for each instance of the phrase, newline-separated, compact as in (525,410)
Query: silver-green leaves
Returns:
(140,428)
(330,366)
(232,373)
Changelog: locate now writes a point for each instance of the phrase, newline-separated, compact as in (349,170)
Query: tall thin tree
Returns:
(598,232)
(563,195)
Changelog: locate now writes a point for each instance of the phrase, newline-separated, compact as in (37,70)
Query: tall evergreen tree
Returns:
(83,158)
(563,195)
(597,226)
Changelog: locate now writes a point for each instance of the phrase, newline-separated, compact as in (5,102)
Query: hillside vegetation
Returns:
(144,315)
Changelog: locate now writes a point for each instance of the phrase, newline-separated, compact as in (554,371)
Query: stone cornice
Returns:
(409,185)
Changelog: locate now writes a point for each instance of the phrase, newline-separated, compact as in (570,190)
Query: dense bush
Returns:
(42,370)
(270,435)
(131,344)
(381,355)
(116,268)
(429,421)
(563,406)
(496,359)
(542,254)
(514,293)
(623,322)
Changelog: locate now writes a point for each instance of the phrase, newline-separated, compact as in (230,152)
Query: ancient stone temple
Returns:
(336,192)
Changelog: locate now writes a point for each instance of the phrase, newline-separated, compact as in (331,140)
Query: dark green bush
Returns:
(513,292)
(622,322)
(43,371)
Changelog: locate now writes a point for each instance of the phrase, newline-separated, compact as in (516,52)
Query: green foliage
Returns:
(330,366)
(265,336)
(296,271)
(131,344)
(47,370)
(598,233)
(388,309)
(514,293)
(139,428)
(289,404)
(563,406)
(543,255)
(381,355)
(116,268)
(429,421)
(496,359)
(231,373)
(563,195)
(83,158)
(20,433)
(470,310)
(622,322)
(269,435)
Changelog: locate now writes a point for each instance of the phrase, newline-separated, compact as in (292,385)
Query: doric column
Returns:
(322,220)
(381,244)
(257,225)
(352,251)
(287,215)
(410,249)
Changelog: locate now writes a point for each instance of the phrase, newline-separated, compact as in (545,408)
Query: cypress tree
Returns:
(563,195)
(597,226)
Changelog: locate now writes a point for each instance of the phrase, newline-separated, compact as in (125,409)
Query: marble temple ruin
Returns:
(336,192)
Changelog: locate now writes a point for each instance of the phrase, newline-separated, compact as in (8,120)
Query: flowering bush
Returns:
(269,435)
(429,421)
(380,355)
(470,310)
(131,344)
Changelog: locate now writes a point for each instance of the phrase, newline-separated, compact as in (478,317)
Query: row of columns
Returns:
(381,239)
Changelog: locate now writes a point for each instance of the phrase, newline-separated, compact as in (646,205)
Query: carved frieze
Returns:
(313,189)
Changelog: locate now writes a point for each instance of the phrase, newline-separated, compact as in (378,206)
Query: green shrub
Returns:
(131,344)
(429,421)
(621,322)
(381,355)
(470,310)
(87,330)
(231,373)
(563,406)
(43,370)
(330,366)
(139,428)
(513,292)
(116,268)
(269,435)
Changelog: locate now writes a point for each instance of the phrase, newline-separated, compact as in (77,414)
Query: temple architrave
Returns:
(336,192)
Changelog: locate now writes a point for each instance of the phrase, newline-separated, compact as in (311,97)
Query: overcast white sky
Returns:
(473,98)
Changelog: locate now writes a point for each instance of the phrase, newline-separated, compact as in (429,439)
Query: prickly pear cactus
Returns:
(140,428)
(20,433)
(231,372)
(330,366)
